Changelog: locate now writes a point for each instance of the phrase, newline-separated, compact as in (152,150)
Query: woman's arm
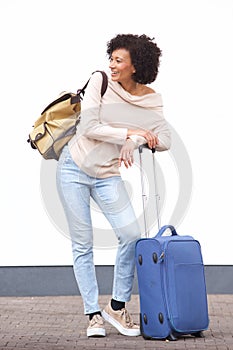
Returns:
(143,136)
(90,124)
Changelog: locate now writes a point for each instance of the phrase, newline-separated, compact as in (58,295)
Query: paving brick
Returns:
(58,323)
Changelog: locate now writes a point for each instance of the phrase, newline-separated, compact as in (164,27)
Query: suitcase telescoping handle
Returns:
(144,197)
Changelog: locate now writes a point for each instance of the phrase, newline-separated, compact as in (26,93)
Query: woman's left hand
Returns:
(126,153)
(151,138)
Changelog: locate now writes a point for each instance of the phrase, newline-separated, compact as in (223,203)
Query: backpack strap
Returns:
(104,83)
(103,87)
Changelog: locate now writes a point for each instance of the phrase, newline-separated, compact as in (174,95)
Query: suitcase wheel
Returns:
(199,334)
(172,337)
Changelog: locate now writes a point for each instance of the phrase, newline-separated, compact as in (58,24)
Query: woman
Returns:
(111,127)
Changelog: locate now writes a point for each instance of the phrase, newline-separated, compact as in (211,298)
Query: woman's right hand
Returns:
(150,137)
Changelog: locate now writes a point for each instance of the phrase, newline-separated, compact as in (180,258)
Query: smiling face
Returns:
(121,66)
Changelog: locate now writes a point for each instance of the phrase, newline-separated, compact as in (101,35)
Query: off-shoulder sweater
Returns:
(104,122)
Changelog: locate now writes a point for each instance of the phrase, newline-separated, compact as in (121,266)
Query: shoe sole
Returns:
(118,326)
(96,332)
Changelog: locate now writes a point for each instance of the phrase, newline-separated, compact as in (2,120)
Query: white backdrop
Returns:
(50,46)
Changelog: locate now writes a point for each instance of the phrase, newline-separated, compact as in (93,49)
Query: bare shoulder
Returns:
(147,90)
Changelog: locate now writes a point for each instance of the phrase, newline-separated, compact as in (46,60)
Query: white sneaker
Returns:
(121,320)
(96,327)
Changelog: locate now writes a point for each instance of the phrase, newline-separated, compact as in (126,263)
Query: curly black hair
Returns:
(144,53)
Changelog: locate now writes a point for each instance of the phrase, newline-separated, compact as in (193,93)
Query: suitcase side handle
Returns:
(164,228)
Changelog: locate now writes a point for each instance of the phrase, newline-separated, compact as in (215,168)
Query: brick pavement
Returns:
(58,323)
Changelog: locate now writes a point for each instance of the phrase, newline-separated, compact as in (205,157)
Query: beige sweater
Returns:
(104,123)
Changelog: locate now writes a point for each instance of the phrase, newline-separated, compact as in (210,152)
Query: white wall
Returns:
(50,46)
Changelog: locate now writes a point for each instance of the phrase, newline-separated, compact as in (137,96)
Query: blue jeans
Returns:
(75,189)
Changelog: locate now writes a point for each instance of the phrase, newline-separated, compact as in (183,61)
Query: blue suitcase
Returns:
(171,284)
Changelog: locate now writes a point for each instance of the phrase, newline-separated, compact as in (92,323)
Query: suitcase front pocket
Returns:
(187,300)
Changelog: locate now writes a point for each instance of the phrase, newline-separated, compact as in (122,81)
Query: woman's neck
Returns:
(136,89)
(131,87)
